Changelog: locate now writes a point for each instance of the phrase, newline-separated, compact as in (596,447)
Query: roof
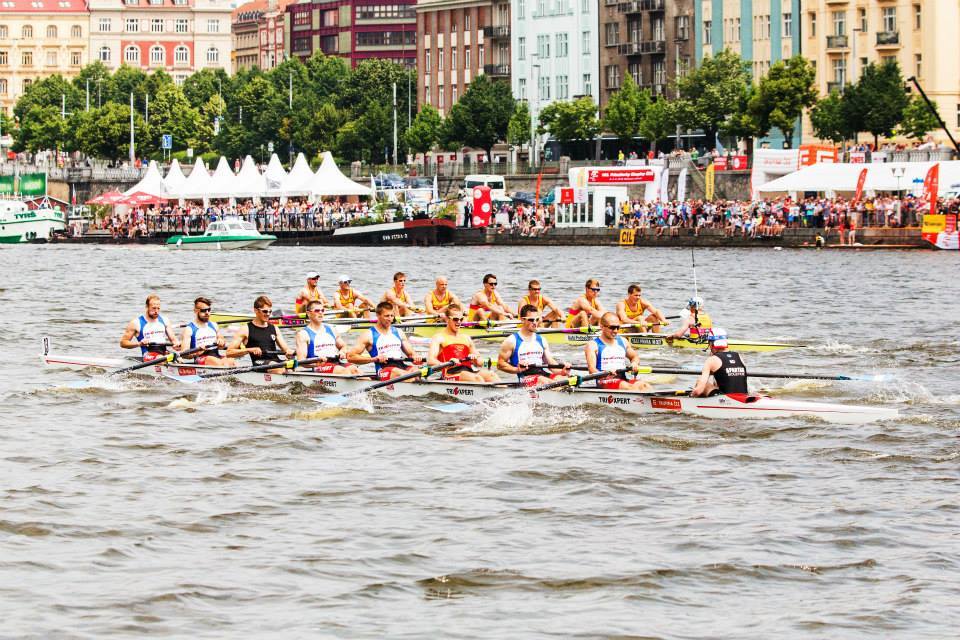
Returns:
(43,6)
(259,6)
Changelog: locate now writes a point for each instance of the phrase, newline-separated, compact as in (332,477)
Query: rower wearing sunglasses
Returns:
(586,310)
(536,297)
(348,299)
(318,340)
(486,304)
(206,334)
(526,354)
(259,338)
(610,352)
(451,343)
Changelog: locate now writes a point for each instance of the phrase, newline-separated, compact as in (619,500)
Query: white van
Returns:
(497,184)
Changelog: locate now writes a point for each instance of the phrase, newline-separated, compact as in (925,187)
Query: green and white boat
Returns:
(18,223)
(230,233)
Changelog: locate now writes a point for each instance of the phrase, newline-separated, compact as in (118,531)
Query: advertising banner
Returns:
(482,206)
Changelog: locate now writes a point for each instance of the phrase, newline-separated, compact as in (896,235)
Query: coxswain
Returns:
(723,371)
(586,310)
(537,298)
(486,304)
(151,332)
(349,300)
(399,297)
(610,352)
(318,340)
(440,298)
(526,354)
(632,309)
(450,343)
(259,338)
(310,291)
(384,345)
(696,323)
(206,334)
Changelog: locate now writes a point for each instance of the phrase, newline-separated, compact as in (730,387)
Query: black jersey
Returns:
(731,377)
(266,339)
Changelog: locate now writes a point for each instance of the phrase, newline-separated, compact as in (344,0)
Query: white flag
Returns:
(664,183)
(682,185)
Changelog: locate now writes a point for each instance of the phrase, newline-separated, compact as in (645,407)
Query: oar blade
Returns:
(451,407)
(188,379)
(332,401)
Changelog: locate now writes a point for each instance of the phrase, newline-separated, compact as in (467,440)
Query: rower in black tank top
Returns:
(731,377)
(266,339)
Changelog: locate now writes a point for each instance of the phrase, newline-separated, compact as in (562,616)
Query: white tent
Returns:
(881,176)
(152,182)
(330,181)
(250,183)
(297,182)
(274,175)
(223,182)
(174,179)
(195,186)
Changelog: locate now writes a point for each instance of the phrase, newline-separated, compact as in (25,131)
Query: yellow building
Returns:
(40,38)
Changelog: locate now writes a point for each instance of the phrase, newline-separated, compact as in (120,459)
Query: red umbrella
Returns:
(108,198)
(141,198)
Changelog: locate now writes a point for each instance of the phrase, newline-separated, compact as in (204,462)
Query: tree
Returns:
(829,119)
(659,121)
(171,113)
(625,111)
(876,103)
(127,80)
(569,121)
(918,119)
(424,132)
(783,94)
(105,132)
(42,127)
(479,119)
(518,127)
(95,77)
(313,129)
(52,91)
(202,85)
(713,92)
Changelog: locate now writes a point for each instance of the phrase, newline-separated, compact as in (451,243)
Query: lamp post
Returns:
(534,104)
(898,174)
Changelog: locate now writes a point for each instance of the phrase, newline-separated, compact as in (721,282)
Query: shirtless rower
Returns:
(610,352)
(354,303)
(151,332)
(526,354)
(399,297)
(486,304)
(536,297)
(586,310)
(723,371)
(385,346)
(260,339)
(631,311)
(440,298)
(318,340)
(695,325)
(449,343)
(204,333)
(310,291)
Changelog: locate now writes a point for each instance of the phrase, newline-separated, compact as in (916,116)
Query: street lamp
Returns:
(898,174)
(853,55)
(534,103)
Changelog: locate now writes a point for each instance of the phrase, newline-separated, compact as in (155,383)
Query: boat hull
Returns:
(26,226)
(219,243)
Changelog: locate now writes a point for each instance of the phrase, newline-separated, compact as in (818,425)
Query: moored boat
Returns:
(18,223)
(230,233)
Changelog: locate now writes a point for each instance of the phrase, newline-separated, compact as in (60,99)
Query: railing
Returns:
(647,46)
(75,174)
(496,69)
(496,32)
(888,38)
(629,7)
(652,5)
(837,42)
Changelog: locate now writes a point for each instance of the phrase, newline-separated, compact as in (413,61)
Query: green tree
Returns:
(424,132)
(313,129)
(105,132)
(829,120)
(127,80)
(714,92)
(625,111)
(327,75)
(95,77)
(202,85)
(171,113)
(876,103)
(43,127)
(783,94)
(659,121)
(253,118)
(518,128)
(479,119)
(51,91)
(569,121)
(918,119)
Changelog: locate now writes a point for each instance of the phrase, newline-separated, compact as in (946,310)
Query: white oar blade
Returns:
(451,407)
(185,379)
(332,401)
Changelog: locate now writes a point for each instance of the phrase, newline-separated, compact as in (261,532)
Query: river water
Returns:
(140,507)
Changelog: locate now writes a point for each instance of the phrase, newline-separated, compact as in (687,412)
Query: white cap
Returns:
(695,302)
(717,338)
(344,278)
(312,274)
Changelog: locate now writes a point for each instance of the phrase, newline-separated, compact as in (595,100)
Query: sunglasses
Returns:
(457,320)
(597,289)
(315,310)
(265,309)
(531,319)
(348,281)
(204,310)
(613,327)
(492,284)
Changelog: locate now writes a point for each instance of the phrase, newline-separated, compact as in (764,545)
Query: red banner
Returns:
(860,181)
(731,163)
(811,154)
(720,163)
(931,185)
(564,196)
(482,206)
(619,176)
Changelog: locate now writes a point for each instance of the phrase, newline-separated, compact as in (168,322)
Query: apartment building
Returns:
(258,34)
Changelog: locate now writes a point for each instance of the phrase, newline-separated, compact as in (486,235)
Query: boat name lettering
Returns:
(457,391)
(614,400)
(672,404)
(329,384)
(394,236)
(186,371)
(643,340)
(23,216)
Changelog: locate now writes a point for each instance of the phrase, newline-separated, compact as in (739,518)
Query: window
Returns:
(840,71)
(181,55)
(587,85)
(440,66)
(104,25)
(522,88)
(889,18)
(213,26)
(453,95)
(440,98)
(480,54)
(132,25)
(585,43)
(917,64)
(4,32)
(839,23)
(26,84)
(541,8)
(131,54)
(4,58)
(521,48)
(917,17)
(611,33)
(453,58)
(787,25)
(544,87)
(3,86)
(466,58)
(76,58)
(656,28)
(958,115)
(563,90)
(213,55)
(180,25)
(426,94)
(659,72)
(104,54)
(862,19)
(707,32)
(76,31)
(26,58)
(52,31)
(812,16)
(426,60)
(563,45)
(682,26)
(157,55)
(156,25)
(466,22)
(584,6)
(543,47)
(27,31)
(520,8)
(612,72)
(636,72)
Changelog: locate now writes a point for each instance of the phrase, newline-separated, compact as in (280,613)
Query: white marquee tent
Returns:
(223,182)
(330,181)
(881,176)
(195,186)
(152,182)
(174,179)
(250,183)
(298,181)
(274,175)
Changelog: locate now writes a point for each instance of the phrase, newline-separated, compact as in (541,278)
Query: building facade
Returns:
(651,40)
(178,36)
(258,34)
(352,29)
(40,38)
(459,40)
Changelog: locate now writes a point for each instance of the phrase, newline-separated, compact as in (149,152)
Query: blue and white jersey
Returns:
(389,344)
(203,336)
(322,343)
(611,357)
(532,352)
(153,331)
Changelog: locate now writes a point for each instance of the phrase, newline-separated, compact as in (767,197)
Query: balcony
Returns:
(496,32)
(640,48)
(888,38)
(834,86)
(629,7)
(837,42)
(652,5)
(496,70)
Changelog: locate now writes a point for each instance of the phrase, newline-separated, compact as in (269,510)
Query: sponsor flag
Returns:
(860,181)
(482,206)
(930,186)
(709,179)
(682,185)
(664,183)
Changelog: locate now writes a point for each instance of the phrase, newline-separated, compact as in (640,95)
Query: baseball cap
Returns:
(695,302)
(718,338)
(344,278)
(313,274)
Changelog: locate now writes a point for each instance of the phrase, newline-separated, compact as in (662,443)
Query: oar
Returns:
(785,376)
(572,381)
(504,334)
(267,366)
(422,372)
(170,357)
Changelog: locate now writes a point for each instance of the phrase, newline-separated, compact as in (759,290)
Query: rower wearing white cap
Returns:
(310,291)
(696,322)
(350,300)
(723,371)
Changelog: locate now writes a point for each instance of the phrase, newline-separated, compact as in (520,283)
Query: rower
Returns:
(526,354)
(150,332)
(259,338)
(450,343)
(610,352)
(486,304)
(724,371)
(318,340)
(206,334)
(440,298)
(695,325)
(385,346)
(399,297)
(586,310)
(536,297)
(309,292)
(350,300)
(631,311)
